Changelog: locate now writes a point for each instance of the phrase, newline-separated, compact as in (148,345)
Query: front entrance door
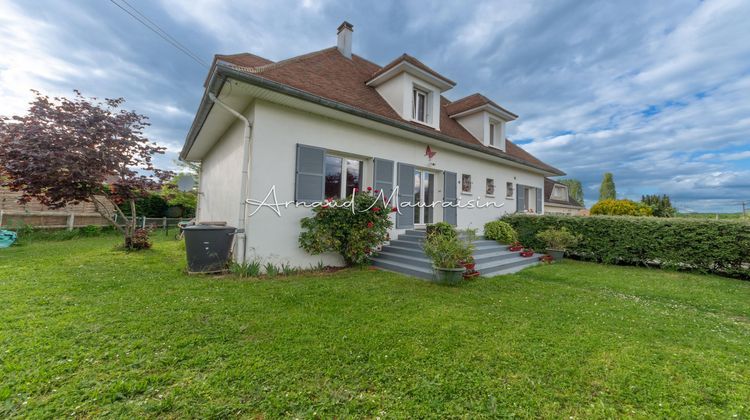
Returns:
(424,197)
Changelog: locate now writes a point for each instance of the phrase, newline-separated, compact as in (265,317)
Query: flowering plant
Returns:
(515,247)
(354,227)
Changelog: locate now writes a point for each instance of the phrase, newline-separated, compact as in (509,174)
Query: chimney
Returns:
(345,39)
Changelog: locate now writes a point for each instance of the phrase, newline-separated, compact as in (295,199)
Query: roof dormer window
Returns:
(419,105)
(493,127)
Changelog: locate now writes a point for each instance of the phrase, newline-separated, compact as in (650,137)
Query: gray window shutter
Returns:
(383,178)
(405,178)
(309,184)
(450,195)
(538,200)
(520,198)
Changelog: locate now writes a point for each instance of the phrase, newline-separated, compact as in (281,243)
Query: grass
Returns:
(89,331)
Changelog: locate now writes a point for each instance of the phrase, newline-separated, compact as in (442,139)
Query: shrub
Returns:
(621,208)
(90,230)
(441,228)
(248,269)
(353,233)
(139,240)
(719,246)
(448,251)
(500,231)
(558,239)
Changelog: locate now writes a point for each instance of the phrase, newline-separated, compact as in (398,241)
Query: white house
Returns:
(320,124)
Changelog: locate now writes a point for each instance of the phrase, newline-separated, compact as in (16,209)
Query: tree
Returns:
(620,208)
(69,150)
(607,189)
(661,205)
(575,189)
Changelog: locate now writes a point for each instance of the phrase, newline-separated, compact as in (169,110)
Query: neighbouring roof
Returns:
(549,185)
(472,102)
(329,75)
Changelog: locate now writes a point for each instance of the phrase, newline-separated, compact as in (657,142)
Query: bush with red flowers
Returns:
(353,234)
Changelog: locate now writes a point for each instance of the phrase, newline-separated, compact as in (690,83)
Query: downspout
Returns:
(240,235)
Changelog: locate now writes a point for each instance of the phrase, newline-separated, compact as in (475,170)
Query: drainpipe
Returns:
(240,235)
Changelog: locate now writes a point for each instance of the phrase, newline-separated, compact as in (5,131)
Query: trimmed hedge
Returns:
(715,246)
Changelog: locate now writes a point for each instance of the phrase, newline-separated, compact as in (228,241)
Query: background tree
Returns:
(575,189)
(607,189)
(69,150)
(661,205)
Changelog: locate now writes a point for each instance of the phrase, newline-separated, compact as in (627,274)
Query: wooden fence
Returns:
(33,213)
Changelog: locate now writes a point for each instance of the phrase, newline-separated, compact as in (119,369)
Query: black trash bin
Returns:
(207,247)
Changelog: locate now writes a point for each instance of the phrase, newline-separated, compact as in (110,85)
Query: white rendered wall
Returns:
(276,133)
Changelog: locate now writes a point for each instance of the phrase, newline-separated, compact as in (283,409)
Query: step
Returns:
(423,273)
(411,238)
(411,260)
(494,256)
(510,265)
(413,251)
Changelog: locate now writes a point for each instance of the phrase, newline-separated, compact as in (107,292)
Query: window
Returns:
(419,105)
(492,134)
(342,176)
(509,189)
(490,187)
(466,183)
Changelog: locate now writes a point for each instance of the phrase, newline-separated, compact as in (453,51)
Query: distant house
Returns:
(557,199)
(319,125)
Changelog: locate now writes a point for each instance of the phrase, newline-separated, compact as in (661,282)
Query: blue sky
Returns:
(656,92)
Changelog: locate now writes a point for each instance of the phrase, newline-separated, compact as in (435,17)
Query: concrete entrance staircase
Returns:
(406,256)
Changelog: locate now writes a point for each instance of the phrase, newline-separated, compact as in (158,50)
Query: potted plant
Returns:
(527,252)
(447,252)
(558,241)
(469,263)
(515,247)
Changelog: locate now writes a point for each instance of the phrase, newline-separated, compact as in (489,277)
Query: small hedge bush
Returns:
(621,208)
(500,231)
(441,228)
(721,247)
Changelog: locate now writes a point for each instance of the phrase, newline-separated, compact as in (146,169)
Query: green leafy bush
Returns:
(621,208)
(718,246)
(441,228)
(558,239)
(500,231)
(448,251)
(353,233)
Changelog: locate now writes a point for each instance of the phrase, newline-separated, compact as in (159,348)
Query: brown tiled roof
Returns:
(470,102)
(328,74)
(549,184)
(416,63)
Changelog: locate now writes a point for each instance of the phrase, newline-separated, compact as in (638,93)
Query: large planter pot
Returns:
(448,276)
(557,254)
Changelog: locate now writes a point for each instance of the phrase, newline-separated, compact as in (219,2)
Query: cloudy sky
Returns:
(657,92)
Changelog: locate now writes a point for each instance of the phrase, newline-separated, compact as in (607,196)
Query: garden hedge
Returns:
(717,246)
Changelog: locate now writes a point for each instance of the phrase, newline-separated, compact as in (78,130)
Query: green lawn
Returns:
(89,331)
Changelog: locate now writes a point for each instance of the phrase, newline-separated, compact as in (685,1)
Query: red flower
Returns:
(370,225)
(376,191)
(325,206)
(369,188)
(394,209)
(376,209)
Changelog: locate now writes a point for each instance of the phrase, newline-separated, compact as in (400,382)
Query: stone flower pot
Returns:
(556,254)
(448,276)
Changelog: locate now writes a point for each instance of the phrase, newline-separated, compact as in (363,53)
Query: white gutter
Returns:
(244,193)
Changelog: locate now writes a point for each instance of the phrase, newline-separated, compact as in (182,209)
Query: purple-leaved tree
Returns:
(69,150)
